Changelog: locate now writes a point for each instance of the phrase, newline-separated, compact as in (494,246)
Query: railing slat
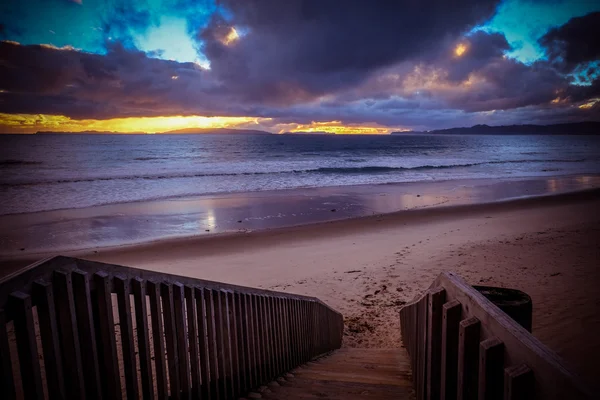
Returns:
(241,348)
(171,339)
(233,332)
(181,330)
(451,315)
(153,289)
(278,335)
(87,333)
(44,299)
(251,340)
(68,334)
(31,374)
(518,383)
(220,333)
(282,337)
(268,337)
(138,288)
(468,358)
(109,371)
(7,384)
(491,369)
(122,290)
(205,370)
(228,342)
(193,338)
(436,300)
(258,340)
(211,309)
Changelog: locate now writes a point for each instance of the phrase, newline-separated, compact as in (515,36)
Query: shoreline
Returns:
(211,218)
(384,219)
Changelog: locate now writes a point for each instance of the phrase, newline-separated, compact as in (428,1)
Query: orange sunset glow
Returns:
(27,123)
(339,128)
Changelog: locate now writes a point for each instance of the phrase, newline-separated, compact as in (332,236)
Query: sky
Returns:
(296,65)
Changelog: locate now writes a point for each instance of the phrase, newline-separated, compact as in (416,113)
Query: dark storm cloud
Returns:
(297,63)
(574,43)
(309,47)
(47,80)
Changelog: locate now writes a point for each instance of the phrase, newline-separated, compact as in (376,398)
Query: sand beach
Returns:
(368,267)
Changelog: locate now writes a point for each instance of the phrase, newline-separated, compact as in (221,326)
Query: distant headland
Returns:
(576,128)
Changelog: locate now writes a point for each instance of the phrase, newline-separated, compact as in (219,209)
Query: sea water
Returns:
(52,172)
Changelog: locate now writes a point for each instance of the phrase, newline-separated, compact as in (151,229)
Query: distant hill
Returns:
(219,131)
(577,128)
(86,133)
(187,131)
(309,133)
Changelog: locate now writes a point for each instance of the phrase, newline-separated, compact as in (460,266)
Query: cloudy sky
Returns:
(303,65)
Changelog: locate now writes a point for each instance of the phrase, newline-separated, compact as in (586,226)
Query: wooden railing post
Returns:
(451,315)
(141,317)
(126,326)
(68,334)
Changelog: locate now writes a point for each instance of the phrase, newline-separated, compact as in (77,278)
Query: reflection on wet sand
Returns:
(148,221)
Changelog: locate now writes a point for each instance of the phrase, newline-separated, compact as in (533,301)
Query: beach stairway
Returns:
(77,329)
(348,373)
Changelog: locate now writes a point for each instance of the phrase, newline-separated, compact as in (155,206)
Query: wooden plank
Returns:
(228,343)
(213,354)
(138,287)
(153,290)
(278,335)
(69,337)
(302,342)
(421,338)
(166,290)
(491,369)
(44,299)
(251,340)
(233,332)
(219,333)
(194,340)
(105,324)
(436,300)
(22,314)
(519,383)
(181,330)
(203,343)
(282,327)
(468,358)
(241,348)
(123,290)
(7,384)
(292,329)
(268,339)
(87,333)
(258,340)
(451,315)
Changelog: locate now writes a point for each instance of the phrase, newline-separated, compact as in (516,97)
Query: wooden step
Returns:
(349,374)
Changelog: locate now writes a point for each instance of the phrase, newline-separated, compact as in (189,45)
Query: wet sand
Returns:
(33,235)
(368,267)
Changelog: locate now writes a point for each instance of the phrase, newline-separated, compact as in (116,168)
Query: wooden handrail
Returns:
(82,328)
(462,346)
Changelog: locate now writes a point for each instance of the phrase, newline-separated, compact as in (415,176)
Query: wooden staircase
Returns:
(348,374)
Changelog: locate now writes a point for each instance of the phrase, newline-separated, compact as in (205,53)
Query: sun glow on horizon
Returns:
(31,123)
(338,128)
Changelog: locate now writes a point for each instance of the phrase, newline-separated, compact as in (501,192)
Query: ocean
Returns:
(53,172)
